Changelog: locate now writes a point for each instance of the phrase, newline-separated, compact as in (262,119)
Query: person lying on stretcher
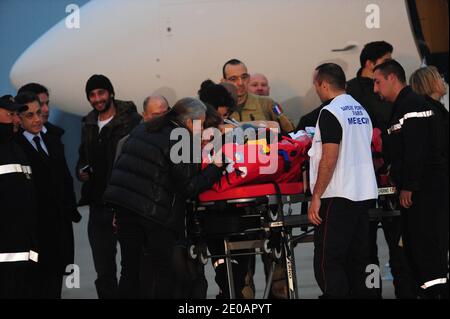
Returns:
(254,152)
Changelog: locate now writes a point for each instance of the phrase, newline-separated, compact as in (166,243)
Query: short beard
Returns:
(107,106)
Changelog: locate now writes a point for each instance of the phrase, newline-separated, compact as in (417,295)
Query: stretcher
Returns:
(260,218)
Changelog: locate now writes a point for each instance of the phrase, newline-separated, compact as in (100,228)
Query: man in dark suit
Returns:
(44,99)
(55,196)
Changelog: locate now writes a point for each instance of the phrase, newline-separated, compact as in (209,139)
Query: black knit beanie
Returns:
(98,81)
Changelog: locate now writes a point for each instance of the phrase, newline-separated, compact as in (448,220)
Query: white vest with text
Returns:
(354,175)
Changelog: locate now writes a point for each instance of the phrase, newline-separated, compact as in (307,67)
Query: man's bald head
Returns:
(154,105)
(259,85)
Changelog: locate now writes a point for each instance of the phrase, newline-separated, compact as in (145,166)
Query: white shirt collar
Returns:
(29,136)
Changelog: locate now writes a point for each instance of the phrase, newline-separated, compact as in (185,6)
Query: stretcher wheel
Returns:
(202,258)
(277,253)
(273,215)
(192,252)
(266,247)
(197,253)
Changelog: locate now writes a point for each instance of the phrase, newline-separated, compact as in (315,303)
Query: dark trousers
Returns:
(103,243)
(131,236)
(15,280)
(190,275)
(392,229)
(279,284)
(239,267)
(426,237)
(46,283)
(341,248)
(147,257)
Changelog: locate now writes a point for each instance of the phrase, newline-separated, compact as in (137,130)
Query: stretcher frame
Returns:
(275,226)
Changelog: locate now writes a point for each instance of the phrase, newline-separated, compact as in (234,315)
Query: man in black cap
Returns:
(43,96)
(18,210)
(102,128)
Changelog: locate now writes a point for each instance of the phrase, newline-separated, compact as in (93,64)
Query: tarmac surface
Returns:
(307,286)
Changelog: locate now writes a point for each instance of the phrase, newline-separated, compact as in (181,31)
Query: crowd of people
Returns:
(137,193)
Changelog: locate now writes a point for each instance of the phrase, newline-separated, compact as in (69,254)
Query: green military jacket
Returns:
(259,108)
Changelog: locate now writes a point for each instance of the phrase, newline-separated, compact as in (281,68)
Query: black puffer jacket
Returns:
(98,149)
(146,181)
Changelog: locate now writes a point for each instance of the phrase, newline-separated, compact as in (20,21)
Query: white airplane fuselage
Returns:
(171,46)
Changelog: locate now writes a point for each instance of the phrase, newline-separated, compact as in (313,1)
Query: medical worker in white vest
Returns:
(343,189)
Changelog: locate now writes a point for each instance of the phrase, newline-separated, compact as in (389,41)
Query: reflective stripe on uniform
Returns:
(12,257)
(432,283)
(221,261)
(34,256)
(14,168)
(399,125)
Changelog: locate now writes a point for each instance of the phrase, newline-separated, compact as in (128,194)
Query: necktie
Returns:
(41,151)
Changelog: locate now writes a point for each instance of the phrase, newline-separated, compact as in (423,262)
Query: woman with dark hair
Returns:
(149,186)
(218,97)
